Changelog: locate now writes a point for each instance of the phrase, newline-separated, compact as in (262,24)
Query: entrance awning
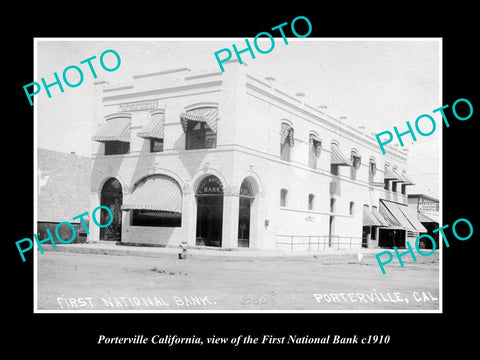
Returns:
(368,218)
(208,115)
(400,215)
(154,128)
(338,158)
(115,129)
(159,193)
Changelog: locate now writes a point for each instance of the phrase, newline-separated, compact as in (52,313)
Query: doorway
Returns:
(112,197)
(209,212)
(244,211)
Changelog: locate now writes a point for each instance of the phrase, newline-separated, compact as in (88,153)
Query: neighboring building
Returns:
(427,209)
(62,193)
(229,160)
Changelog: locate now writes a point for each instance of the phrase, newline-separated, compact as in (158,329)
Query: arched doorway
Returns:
(245,199)
(112,197)
(209,212)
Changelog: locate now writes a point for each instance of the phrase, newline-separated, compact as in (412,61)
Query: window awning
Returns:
(115,129)
(368,218)
(286,133)
(315,144)
(389,174)
(159,193)
(208,115)
(154,128)
(379,217)
(338,158)
(406,179)
(399,215)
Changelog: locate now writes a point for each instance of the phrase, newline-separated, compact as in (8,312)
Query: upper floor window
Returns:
(372,170)
(286,141)
(311,201)
(314,150)
(352,208)
(115,134)
(332,205)
(200,127)
(117,147)
(283,197)
(156,145)
(199,136)
(356,160)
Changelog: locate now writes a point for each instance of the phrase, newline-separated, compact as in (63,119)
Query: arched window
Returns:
(286,141)
(200,127)
(356,161)
(155,201)
(283,197)
(314,150)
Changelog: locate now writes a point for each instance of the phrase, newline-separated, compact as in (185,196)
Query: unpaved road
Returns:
(93,282)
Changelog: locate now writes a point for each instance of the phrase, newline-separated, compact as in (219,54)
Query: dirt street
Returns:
(93,282)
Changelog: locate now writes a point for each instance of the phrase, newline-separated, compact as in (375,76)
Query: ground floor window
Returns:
(156,218)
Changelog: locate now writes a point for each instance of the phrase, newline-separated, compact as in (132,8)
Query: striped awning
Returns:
(399,215)
(379,217)
(368,218)
(115,129)
(208,115)
(154,128)
(389,174)
(337,156)
(286,133)
(315,144)
(159,193)
(406,179)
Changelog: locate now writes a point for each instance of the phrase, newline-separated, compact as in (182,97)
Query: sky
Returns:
(377,83)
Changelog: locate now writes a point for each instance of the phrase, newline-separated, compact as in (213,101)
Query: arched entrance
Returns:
(112,197)
(245,198)
(209,212)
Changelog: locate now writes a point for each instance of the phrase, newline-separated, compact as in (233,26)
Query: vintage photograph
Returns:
(165,182)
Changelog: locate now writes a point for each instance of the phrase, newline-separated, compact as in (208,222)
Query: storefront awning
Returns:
(379,217)
(406,179)
(400,215)
(368,218)
(338,158)
(154,128)
(425,217)
(286,133)
(159,193)
(208,115)
(115,129)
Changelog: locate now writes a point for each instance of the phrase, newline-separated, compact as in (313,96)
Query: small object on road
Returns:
(360,256)
(183,254)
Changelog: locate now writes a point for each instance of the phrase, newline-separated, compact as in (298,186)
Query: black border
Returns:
(413,334)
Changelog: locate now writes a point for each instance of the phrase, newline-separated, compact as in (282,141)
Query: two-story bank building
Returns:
(229,160)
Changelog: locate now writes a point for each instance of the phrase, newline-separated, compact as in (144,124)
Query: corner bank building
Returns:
(229,160)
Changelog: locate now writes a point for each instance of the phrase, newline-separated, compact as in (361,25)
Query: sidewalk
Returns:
(110,248)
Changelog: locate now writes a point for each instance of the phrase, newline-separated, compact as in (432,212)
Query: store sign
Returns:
(428,206)
(139,105)
(211,185)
